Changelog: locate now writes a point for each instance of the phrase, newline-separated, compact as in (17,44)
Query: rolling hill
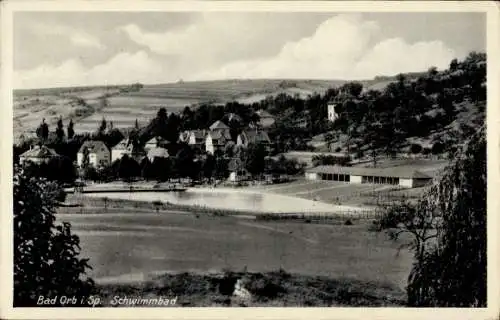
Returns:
(88,105)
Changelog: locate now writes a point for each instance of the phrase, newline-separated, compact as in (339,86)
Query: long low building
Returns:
(403,176)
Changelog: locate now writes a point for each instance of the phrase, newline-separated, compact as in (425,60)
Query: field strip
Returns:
(321,189)
(259,226)
(140,227)
(290,186)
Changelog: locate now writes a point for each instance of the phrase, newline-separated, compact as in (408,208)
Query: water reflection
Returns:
(231,200)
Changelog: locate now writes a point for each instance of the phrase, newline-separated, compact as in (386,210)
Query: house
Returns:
(127,147)
(193,137)
(237,170)
(403,176)
(219,126)
(156,142)
(216,140)
(254,137)
(266,120)
(157,152)
(38,155)
(98,153)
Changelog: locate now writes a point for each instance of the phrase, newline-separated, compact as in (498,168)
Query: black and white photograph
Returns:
(218,158)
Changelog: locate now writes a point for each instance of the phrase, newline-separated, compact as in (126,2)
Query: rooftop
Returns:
(93,146)
(219,125)
(394,172)
(40,152)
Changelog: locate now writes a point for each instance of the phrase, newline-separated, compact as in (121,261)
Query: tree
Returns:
(70,129)
(42,131)
(255,163)
(128,168)
(102,127)
(437,148)
(209,167)
(46,255)
(60,130)
(161,168)
(415,148)
(450,263)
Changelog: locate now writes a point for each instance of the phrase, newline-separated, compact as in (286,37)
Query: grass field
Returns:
(127,245)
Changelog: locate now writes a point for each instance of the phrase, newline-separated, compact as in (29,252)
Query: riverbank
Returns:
(269,289)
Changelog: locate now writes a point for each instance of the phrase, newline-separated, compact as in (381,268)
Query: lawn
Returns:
(128,244)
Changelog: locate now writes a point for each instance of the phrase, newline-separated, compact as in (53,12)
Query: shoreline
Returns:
(159,206)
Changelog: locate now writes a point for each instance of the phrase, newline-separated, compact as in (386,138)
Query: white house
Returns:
(38,155)
(216,140)
(98,153)
(193,137)
(127,147)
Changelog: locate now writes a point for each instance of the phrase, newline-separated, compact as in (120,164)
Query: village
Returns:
(239,155)
(249,159)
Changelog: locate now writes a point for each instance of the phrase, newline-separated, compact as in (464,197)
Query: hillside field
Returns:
(86,107)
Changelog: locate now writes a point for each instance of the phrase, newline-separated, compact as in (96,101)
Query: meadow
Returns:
(137,245)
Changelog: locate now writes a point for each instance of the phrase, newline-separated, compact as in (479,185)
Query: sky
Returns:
(59,49)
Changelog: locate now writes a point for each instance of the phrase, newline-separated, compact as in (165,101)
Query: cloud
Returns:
(221,45)
(123,68)
(341,48)
(77,37)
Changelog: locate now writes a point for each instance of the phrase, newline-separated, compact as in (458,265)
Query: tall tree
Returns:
(42,131)
(60,129)
(450,263)
(102,126)
(70,129)
(255,163)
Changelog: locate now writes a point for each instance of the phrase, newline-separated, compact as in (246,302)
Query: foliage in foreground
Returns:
(449,234)
(46,261)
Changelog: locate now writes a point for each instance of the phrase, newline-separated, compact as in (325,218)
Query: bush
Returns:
(46,255)
(393,216)
(415,148)
(438,148)
(426,151)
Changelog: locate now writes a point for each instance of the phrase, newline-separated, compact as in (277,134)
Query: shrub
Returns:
(415,148)
(438,148)
(426,151)
(393,216)
(46,255)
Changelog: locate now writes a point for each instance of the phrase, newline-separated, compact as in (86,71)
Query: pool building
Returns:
(407,177)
